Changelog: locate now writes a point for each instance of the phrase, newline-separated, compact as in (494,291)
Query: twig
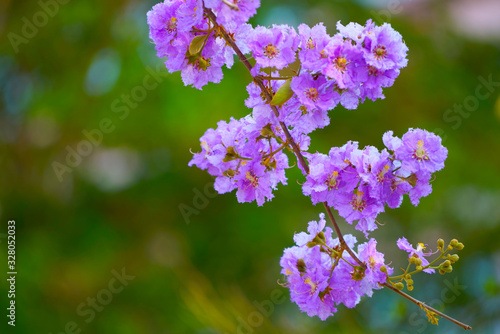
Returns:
(419,303)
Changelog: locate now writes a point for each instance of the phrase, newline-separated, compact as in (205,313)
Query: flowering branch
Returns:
(345,69)
(305,166)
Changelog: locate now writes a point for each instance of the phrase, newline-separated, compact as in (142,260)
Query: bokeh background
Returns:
(120,206)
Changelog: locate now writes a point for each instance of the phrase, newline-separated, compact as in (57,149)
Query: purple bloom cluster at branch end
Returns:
(321,276)
(360,182)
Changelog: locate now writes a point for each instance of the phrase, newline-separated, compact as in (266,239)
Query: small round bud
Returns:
(454,243)
(448,269)
(317,240)
(399,286)
(321,235)
(418,261)
(450,247)
(410,287)
(412,259)
(441,271)
(420,268)
(301,265)
(409,282)
(383,269)
(453,258)
(311,244)
(440,243)
(446,263)
(459,246)
(408,276)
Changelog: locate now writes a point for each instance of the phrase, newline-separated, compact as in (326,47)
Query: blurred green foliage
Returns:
(119,208)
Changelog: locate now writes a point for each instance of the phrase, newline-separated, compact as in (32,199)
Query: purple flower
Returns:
(399,187)
(189,14)
(385,49)
(227,14)
(313,228)
(313,41)
(313,93)
(403,244)
(374,260)
(345,63)
(316,284)
(163,22)
(421,151)
(360,206)
(328,179)
(421,188)
(207,67)
(355,31)
(274,47)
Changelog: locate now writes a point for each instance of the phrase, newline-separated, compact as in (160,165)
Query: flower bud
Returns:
(409,282)
(412,179)
(399,286)
(230,154)
(441,271)
(440,243)
(301,265)
(311,244)
(420,268)
(418,261)
(453,258)
(408,276)
(459,246)
(454,243)
(321,235)
(446,263)
(410,287)
(267,131)
(229,173)
(383,269)
(317,240)
(448,269)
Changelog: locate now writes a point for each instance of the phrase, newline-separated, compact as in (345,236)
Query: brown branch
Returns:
(419,303)
(258,80)
(341,237)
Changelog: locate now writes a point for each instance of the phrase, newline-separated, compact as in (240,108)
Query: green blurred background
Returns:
(120,206)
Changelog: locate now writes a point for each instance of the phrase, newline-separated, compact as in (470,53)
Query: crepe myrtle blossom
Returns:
(273,47)
(163,22)
(240,160)
(313,42)
(385,49)
(345,63)
(207,67)
(313,93)
(419,150)
(321,276)
(233,11)
(418,252)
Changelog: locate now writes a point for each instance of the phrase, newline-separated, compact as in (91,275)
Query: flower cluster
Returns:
(244,154)
(360,182)
(183,34)
(321,274)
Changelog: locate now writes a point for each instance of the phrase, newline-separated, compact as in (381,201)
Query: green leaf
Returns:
(197,44)
(283,94)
